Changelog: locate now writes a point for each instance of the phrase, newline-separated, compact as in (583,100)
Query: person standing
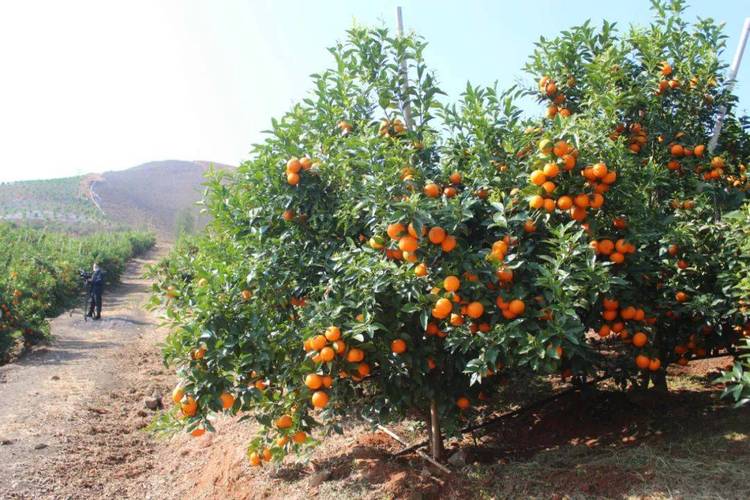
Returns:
(96,287)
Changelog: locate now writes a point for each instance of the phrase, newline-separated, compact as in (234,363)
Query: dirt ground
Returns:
(73,416)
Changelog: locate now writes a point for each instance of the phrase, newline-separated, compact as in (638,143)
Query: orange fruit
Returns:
(654,364)
(617,258)
(537,177)
(463,403)
(333,333)
(610,304)
(596,201)
(313,381)
(699,150)
(299,437)
(436,235)
(395,230)
(451,283)
(254,459)
(442,309)
(177,394)
(339,346)
(673,250)
(475,310)
(227,400)
(420,270)
(284,422)
(456,320)
(548,187)
(306,163)
(189,407)
(318,342)
(431,190)
(363,369)
(327,381)
(642,361)
(536,202)
(293,166)
(677,150)
(681,296)
(599,170)
(666,69)
(640,339)
(288,215)
(604,331)
(292,178)
(327,354)
(605,247)
(319,399)
(549,204)
(516,307)
(355,355)
(408,244)
(569,161)
(398,346)
(581,201)
(551,170)
(505,275)
(450,192)
(529,226)
(199,431)
(448,244)
(455,178)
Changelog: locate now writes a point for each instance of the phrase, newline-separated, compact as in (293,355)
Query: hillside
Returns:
(158,195)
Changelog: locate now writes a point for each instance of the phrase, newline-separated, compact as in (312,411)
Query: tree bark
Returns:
(436,437)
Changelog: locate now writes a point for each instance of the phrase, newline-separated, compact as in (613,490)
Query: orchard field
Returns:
(389,256)
(39,277)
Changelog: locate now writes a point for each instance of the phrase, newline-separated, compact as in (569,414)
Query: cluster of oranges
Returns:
(636,133)
(549,89)
(615,251)
(407,240)
(294,167)
(283,424)
(667,83)
(389,128)
(433,190)
(597,176)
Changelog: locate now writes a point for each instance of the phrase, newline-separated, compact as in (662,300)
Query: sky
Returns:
(91,86)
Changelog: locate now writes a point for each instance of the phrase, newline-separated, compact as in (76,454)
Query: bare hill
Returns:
(161,195)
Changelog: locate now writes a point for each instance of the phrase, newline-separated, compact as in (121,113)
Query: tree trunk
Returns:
(659,379)
(436,437)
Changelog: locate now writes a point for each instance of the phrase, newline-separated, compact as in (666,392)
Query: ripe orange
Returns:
(599,170)
(339,346)
(318,342)
(198,431)
(292,178)
(284,422)
(549,204)
(456,320)
(436,235)
(504,274)
(327,354)
(451,283)
(319,399)
(673,250)
(564,202)
(642,361)
(327,381)
(610,304)
(288,215)
(448,244)
(605,247)
(431,363)
(455,178)
(431,190)
(597,200)
(463,403)
(536,202)
(516,307)
(581,201)
(604,331)
(677,150)
(395,230)
(627,313)
(420,270)
(551,170)
(699,150)
(569,161)
(640,339)
(450,192)
(227,400)
(293,166)
(333,333)
(617,258)
(398,346)
(363,369)
(654,364)
(666,69)
(177,394)
(681,296)
(355,355)
(537,177)
(313,381)
(408,244)
(442,309)
(548,187)
(299,437)
(254,459)
(189,407)
(475,310)
(306,163)
(529,226)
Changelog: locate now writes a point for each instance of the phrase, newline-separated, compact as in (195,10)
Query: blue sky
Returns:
(101,85)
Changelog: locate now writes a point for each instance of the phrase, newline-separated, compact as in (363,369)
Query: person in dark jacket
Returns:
(96,287)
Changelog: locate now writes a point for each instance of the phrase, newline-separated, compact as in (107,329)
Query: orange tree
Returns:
(359,266)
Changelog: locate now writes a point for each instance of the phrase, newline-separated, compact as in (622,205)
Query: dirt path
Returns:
(71,411)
